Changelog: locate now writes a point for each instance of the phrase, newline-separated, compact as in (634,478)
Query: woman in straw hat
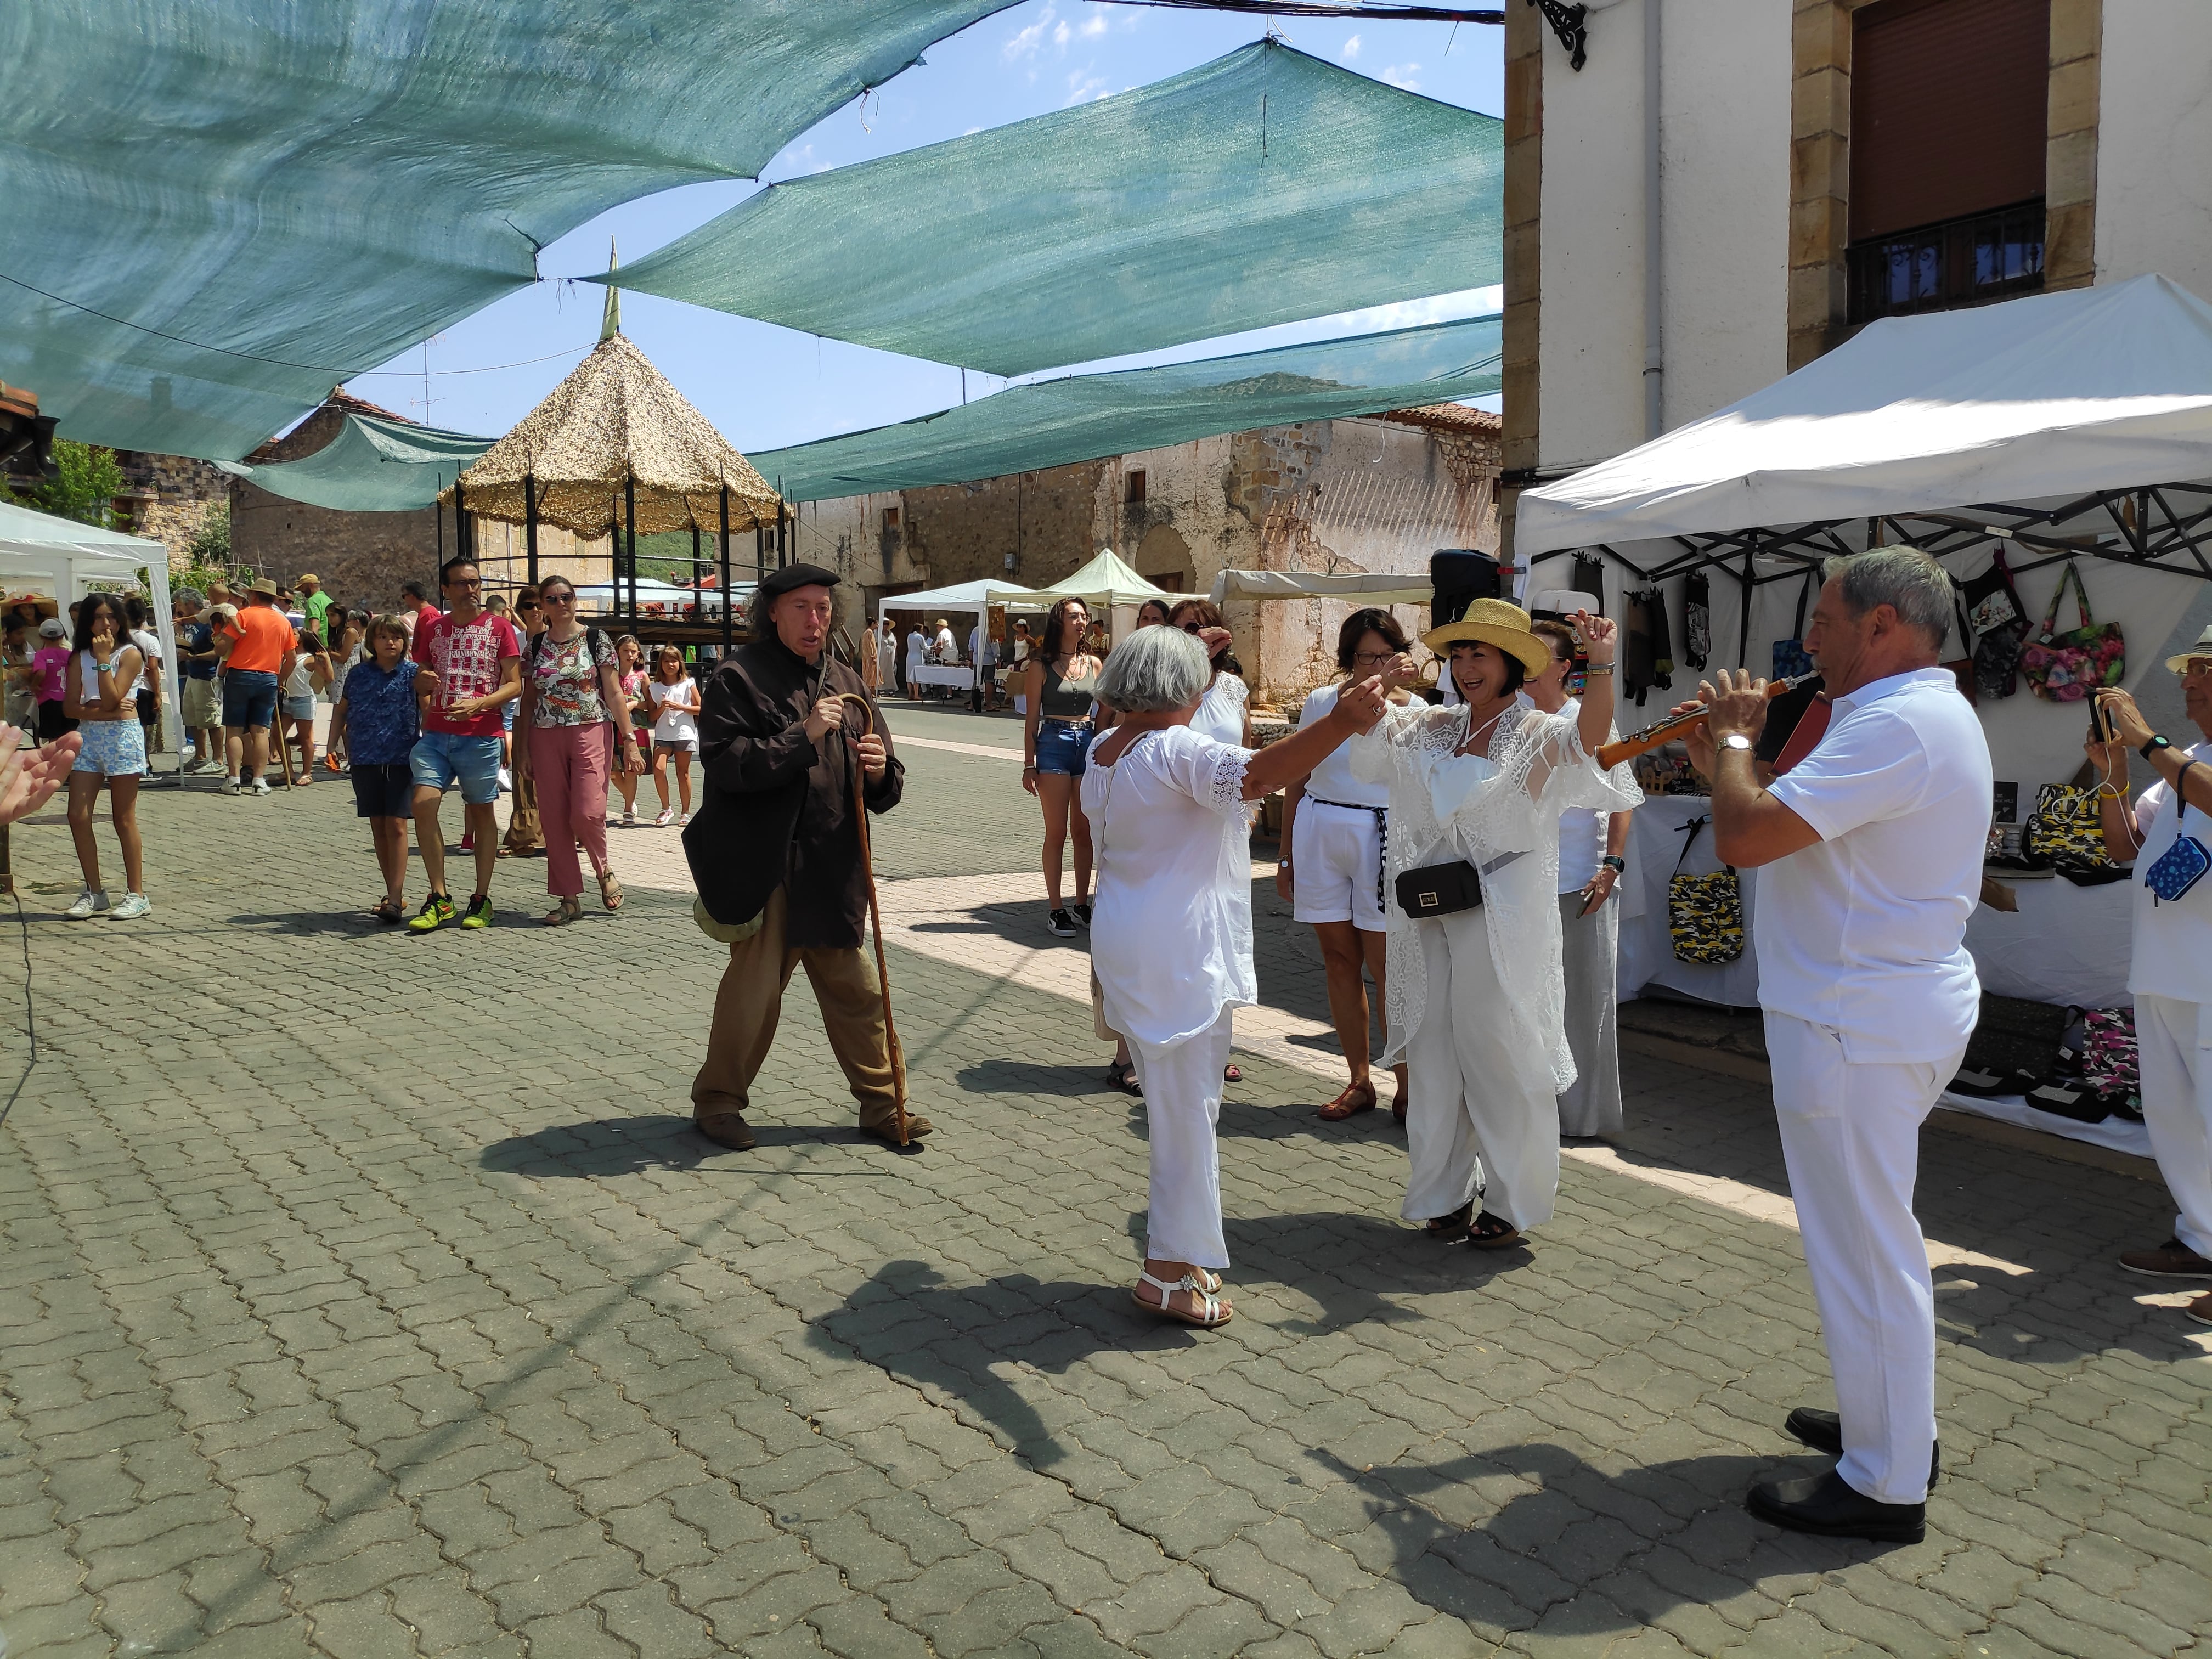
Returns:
(1475,995)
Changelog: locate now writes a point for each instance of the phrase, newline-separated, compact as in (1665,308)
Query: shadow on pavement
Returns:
(632,1145)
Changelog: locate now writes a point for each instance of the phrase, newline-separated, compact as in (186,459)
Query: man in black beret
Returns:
(775,852)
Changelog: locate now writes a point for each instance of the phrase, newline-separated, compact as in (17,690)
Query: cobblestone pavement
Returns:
(366,1294)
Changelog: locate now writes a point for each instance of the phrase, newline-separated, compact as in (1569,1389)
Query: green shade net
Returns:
(1264,187)
(372,466)
(1085,417)
(267,197)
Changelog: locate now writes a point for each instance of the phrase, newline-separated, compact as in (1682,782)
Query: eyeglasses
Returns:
(2196,668)
(1192,628)
(555,599)
(466,581)
(1372,659)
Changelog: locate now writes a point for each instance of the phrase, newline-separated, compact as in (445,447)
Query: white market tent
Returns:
(1108,580)
(41,551)
(1377,589)
(2091,389)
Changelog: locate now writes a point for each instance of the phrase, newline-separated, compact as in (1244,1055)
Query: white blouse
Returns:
(1171,931)
(1221,711)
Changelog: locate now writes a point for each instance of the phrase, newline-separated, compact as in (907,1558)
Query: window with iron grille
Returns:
(1962,262)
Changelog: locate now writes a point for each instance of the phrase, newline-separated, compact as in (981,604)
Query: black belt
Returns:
(1382,828)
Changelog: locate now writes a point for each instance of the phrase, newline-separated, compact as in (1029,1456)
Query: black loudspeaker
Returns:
(1460,576)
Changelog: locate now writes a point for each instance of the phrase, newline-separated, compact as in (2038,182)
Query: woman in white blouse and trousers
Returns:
(1476,999)
(1171,939)
(1225,712)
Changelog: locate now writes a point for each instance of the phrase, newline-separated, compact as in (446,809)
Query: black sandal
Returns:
(1491,1232)
(1124,1077)
(1450,1229)
(388,911)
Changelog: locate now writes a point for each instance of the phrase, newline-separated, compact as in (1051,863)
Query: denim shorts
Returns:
(440,759)
(249,698)
(1063,746)
(299,708)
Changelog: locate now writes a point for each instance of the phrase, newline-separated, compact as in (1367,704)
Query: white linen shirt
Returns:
(1582,829)
(1864,931)
(1171,927)
(1332,778)
(2172,942)
(1221,711)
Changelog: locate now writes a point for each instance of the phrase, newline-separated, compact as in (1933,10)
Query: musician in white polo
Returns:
(1870,852)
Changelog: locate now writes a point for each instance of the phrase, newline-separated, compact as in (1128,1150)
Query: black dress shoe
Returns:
(1824,1433)
(1829,1506)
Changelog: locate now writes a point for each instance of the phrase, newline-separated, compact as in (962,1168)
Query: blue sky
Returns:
(765,386)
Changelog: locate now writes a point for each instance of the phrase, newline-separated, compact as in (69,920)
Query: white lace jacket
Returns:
(1505,824)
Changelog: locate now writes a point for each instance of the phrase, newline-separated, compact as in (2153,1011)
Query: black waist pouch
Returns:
(1439,889)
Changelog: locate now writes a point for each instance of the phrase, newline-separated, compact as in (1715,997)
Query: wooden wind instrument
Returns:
(1651,736)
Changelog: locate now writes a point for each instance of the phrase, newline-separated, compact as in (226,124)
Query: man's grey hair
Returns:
(192,597)
(1155,670)
(1908,580)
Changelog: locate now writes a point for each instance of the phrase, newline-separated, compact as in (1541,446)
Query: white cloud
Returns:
(1025,43)
(1062,35)
(1083,86)
(1350,50)
(1401,75)
(1093,27)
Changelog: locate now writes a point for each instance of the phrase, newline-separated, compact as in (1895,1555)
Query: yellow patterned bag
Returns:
(1704,913)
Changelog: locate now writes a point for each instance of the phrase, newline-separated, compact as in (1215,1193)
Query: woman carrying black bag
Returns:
(1476,994)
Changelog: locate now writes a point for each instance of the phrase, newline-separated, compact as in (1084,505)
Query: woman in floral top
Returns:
(574,726)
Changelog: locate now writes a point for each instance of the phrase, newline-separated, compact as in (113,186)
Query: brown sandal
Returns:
(1493,1232)
(611,889)
(1356,1098)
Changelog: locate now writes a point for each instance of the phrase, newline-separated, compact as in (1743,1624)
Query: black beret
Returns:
(777,582)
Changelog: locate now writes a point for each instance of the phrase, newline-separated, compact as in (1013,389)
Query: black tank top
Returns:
(1066,699)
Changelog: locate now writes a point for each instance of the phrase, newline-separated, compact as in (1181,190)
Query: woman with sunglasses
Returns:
(1058,689)
(575,722)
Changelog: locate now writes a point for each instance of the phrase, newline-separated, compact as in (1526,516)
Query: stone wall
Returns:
(167,498)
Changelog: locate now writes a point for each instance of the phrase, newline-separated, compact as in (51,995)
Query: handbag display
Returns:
(2064,827)
(2182,865)
(2000,623)
(1962,666)
(1789,657)
(1704,913)
(1439,889)
(1697,621)
(2066,667)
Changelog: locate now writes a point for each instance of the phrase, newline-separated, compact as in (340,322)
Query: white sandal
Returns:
(1212,1313)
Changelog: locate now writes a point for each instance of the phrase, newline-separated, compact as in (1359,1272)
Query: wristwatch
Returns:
(2149,750)
(1736,740)
(1615,863)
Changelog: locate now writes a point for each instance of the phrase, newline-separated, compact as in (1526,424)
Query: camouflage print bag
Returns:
(1704,913)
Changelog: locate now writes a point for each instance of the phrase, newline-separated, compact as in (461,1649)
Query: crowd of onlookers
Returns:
(489,694)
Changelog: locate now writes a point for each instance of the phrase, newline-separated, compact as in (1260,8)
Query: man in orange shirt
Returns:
(261,640)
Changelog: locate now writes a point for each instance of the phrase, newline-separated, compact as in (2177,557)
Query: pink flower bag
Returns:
(2066,667)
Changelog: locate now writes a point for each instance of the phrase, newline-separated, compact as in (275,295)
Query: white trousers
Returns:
(1182,1103)
(1850,1139)
(2173,1046)
(1479,1113)
(1589,956)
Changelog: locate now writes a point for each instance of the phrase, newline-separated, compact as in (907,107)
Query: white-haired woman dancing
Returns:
(1476,997)
(1171,939)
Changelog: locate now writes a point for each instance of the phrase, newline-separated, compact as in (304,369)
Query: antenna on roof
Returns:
(611,319)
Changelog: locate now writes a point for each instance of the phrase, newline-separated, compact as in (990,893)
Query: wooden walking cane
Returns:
(875,911)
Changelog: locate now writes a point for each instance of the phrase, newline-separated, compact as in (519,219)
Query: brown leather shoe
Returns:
(917,1127)
(2172,1259)
(727,1130)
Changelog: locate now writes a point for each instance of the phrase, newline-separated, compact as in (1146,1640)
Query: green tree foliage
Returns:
(87,482)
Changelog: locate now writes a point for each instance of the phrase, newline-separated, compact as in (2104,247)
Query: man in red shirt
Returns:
(471,664)
(261,644)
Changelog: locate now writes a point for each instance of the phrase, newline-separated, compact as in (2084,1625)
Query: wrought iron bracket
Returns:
(1568,26)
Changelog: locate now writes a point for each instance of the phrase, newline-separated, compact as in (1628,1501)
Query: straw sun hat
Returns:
(1493,622)
(2201,648)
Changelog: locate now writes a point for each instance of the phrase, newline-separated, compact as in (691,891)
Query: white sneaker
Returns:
(261,785)
(134,906)
(88,903)
(230,787)
(195,766)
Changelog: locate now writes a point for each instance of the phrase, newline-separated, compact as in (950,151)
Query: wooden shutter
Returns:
(1948,102)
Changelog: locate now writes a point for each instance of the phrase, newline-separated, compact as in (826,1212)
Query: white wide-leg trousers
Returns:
(1850,1138)
(2173,1047)
(1183,1103)
(1478,1112)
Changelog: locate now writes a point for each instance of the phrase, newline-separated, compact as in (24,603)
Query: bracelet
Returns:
(1597,668)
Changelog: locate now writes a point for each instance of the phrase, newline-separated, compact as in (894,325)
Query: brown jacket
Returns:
(776,808)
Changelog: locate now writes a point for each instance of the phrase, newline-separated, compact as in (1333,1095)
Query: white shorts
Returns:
(1336,865)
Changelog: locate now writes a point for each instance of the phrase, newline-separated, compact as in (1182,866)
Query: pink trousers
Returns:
(570,765)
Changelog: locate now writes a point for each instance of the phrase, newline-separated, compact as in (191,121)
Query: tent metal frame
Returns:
(2165,527)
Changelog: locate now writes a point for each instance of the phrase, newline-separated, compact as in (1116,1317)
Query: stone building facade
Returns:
(362,558)
(167,498)
(1373,494)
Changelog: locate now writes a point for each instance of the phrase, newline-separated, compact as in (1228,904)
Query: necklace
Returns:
(1468,745)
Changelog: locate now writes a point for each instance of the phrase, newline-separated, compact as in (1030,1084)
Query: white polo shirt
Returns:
(2172,942)
(1865,930)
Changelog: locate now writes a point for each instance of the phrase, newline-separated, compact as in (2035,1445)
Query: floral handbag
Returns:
(1704,913)
(2066,667)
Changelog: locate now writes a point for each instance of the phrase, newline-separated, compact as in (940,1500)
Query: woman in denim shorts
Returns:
(1057,730)
(98,693)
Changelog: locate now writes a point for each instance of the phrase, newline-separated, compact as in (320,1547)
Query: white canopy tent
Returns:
(41,551)
(2094,389)
(1108,580)
(1376,589)
(972,599)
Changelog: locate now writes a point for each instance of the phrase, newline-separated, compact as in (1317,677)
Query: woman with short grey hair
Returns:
(1170,944)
